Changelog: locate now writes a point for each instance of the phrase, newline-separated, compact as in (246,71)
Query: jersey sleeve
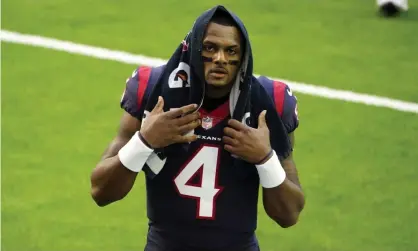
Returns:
(133,96)
(286,105)
(284,101)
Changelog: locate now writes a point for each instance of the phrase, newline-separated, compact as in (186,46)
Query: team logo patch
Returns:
(207,122)
(185,45)
(180,77)
(246,119)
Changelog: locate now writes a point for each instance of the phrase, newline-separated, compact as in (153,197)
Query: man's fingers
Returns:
(190,126)
(230,149)
(230,141)
(188,108)
(237,125)
(174,113)
(232,133)
(185,138)
(262,119)
(159,107)
(187,119)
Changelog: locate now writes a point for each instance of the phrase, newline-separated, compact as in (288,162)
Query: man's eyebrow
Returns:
(208,42)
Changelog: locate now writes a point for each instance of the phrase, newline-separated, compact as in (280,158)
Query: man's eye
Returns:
(209,48)
(232,51)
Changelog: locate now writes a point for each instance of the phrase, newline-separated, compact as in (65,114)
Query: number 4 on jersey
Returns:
(204,162)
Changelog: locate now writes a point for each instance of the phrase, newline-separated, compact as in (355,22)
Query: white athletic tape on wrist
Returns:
(271,173)
(134,154)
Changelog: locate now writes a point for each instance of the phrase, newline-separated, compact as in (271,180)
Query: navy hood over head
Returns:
(182,82)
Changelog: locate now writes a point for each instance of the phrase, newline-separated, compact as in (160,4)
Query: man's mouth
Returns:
(218,73)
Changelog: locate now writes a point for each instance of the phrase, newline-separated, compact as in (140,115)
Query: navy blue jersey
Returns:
(202,197)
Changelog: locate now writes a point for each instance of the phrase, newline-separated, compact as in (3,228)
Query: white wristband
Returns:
(271,173)
(134,154)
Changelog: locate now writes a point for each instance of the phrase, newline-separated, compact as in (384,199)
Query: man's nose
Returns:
(220,57)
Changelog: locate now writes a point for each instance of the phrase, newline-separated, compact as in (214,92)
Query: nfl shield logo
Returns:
(207,123)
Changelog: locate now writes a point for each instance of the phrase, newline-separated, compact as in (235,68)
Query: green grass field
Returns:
(358,164)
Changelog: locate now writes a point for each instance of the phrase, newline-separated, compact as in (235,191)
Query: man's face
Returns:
(222,45)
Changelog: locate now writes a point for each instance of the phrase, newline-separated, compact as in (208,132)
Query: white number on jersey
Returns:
(205,162)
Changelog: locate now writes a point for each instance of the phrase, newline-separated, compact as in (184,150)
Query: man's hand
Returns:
(250,144)
(161,129)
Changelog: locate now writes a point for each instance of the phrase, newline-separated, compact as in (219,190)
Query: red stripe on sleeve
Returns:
(278,92)
(143,76)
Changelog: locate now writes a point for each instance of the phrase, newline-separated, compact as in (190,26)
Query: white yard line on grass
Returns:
(125,57)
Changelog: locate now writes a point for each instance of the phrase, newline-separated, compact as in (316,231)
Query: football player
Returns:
(207,134)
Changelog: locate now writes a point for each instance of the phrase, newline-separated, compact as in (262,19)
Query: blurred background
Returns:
(357,163)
